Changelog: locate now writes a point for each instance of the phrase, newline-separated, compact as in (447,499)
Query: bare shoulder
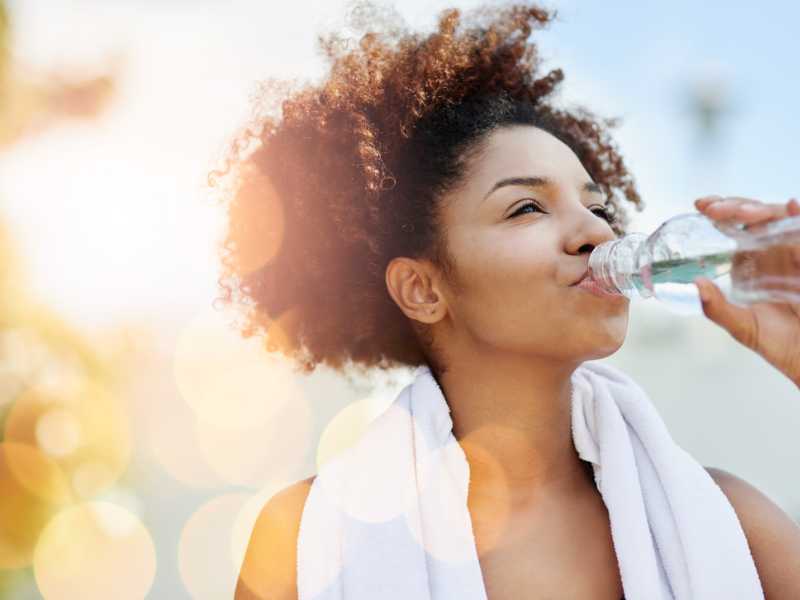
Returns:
(269,567)
(773,536)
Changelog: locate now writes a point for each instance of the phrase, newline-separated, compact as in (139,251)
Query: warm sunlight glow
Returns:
(32,490)
(258,221)
(243,529)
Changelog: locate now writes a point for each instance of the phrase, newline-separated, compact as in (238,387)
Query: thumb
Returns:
(736,320)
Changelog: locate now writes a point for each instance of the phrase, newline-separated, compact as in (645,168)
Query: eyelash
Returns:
(606,214)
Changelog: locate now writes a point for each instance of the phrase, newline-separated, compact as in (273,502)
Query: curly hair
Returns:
(334,179)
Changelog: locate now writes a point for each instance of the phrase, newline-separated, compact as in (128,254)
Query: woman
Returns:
(428,204)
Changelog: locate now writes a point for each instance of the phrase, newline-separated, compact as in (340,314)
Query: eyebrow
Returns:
(589,186)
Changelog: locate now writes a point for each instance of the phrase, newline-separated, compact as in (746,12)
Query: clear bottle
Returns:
(757,263)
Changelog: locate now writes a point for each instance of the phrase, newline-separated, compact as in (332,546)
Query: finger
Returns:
(705,201)
(753,214)
(745,210)
(736,320)
(722,206)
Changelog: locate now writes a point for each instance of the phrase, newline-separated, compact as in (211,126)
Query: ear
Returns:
(414,287)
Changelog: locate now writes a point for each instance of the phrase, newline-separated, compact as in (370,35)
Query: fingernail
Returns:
(704,199)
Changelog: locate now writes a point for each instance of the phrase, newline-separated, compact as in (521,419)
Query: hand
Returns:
(768,328)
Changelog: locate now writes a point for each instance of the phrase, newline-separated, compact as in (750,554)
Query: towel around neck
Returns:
(388,518)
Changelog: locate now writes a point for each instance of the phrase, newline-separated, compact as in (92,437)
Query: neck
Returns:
(513,421)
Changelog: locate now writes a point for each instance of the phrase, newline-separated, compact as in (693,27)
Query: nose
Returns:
(586,231)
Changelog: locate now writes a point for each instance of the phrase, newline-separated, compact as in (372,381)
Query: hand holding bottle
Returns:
(768,328)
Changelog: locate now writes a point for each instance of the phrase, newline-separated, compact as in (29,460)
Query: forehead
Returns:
(525,150)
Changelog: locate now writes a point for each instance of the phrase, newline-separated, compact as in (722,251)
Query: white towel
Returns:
(388,519)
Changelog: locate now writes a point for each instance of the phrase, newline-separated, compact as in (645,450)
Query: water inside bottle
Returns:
(769,274)
(673,279)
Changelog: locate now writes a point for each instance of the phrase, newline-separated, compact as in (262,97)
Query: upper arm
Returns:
(269,568)
(773,536)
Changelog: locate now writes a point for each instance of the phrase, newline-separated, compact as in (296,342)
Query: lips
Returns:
(582,277)
(592,286)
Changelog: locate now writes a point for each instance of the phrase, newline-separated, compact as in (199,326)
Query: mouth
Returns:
(582,278)
(590,285)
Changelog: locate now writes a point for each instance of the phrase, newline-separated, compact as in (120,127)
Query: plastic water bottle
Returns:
(755,263)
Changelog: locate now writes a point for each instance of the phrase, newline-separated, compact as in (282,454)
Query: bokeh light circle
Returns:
(255,456)
(95,551)
(229,381)
(243,526)
(172,442)
(452,543)
(349,424)
(58,432)
(87,425)
(358,497)
(257,222)
(205,562)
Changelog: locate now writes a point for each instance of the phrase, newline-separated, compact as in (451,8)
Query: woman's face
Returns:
(518,247)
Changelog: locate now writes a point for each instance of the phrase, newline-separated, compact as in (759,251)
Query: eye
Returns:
(605,213)
(601,211)
(524,206)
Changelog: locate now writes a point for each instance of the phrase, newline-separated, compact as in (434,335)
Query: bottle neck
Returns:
(614,264)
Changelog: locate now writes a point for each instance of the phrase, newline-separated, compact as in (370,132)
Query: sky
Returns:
(114,219)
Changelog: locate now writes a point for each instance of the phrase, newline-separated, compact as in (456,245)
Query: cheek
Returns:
(516,285)
(512,302)
(500,278)
(516,267)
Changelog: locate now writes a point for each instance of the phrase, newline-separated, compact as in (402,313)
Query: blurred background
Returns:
(139,435)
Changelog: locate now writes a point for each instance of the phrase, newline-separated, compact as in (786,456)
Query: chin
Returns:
(606,351)
(611,337)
